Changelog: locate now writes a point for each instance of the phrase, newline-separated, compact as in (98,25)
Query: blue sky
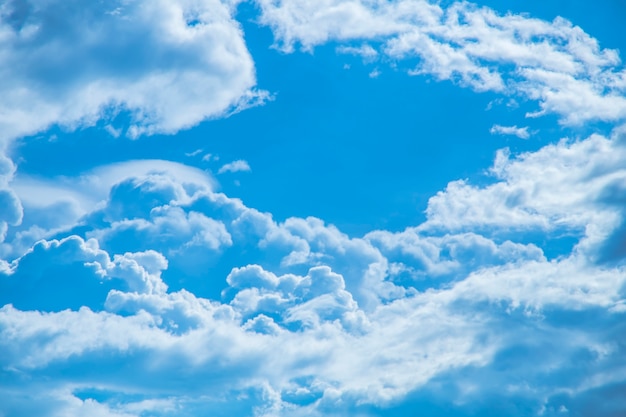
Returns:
(312,208)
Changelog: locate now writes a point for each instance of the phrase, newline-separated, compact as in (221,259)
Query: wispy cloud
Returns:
(113,131)
(520,132)
(209,157)
(375,73)
(471,45)
(365,51)
(194,153)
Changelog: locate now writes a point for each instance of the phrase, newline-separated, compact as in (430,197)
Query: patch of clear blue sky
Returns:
(362,153)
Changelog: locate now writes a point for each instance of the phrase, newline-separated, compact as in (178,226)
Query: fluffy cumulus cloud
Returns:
(313,322)
(170,64)
(555,63)
(570,186)
(139,289)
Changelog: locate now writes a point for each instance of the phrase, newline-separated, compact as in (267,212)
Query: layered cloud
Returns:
(570,186)
(169,64)
(555,63)
(308,321)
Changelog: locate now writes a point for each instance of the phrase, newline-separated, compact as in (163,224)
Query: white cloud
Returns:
(235,166)
(93,187)
(57,204)
(520,132)
(200,333)
(180,229)
(437,259)
(569,284)
(171,64)
(311,321)
(89,275)
(565,71)
(569,186)
(141,271)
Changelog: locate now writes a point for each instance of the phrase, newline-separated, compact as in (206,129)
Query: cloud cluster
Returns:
(554,63)
(170,64)
(139,289)
(306,320)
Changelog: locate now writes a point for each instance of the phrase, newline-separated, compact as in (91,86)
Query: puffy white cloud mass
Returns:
(138,289)
(572,186)
(554,63)
(168,281)
(171,64)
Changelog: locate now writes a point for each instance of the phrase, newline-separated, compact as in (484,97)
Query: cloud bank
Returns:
(145,291)
(313,322)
